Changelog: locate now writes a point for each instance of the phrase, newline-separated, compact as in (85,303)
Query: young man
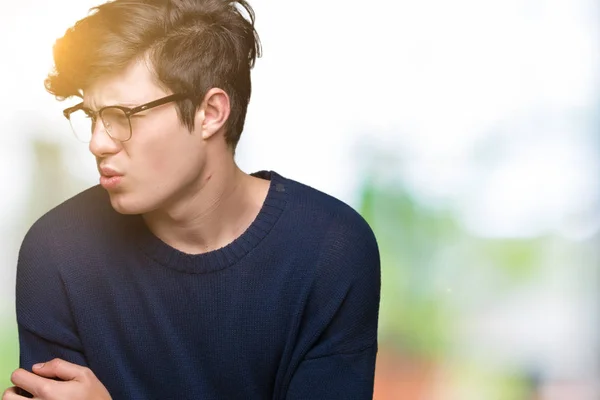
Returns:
(180,276)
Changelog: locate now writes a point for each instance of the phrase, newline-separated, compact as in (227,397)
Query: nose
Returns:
(102,144)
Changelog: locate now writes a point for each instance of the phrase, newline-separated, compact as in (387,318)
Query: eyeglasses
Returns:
(116,119)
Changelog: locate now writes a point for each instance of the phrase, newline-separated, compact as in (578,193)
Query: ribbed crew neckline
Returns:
(222,258)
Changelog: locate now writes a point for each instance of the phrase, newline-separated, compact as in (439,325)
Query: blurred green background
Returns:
(9,353)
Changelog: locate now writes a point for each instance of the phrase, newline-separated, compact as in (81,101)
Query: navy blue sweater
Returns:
(287,311)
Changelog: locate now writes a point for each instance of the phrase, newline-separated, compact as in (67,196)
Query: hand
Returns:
(78,383)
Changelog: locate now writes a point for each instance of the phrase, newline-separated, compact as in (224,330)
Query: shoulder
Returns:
(342,237)
(55,250)
(75,215)
(322,211)
(341,265)
(69,226)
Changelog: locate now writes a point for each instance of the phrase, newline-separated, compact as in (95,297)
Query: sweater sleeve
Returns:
(336,376)
(341,317)
(45,324)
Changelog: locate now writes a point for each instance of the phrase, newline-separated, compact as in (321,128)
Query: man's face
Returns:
(162,161)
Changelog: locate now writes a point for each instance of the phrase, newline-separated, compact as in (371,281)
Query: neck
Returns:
(211,213)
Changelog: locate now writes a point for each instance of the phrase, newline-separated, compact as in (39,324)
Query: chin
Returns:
(128,204)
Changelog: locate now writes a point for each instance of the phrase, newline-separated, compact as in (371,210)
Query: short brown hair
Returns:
(193,46)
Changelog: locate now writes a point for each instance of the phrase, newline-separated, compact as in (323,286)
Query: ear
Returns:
(213,113)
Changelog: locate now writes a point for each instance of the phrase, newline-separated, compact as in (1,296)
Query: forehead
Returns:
(132,86)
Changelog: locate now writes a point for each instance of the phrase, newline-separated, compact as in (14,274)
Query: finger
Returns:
(23,393)
(61,369)
(32,383)
(12,394)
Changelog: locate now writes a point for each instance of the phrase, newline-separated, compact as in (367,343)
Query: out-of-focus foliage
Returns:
(9,353)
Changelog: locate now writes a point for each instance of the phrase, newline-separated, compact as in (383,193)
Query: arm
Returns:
(35,348)
(337,376)
(45,323)
(344,306)
(74,382)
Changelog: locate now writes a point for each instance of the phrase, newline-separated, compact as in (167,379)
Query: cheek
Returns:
(167,156)
(152,158)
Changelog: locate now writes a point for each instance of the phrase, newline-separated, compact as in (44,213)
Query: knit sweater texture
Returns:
(288,310)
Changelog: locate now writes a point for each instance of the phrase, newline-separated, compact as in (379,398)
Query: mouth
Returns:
(110,182)
(109,178)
